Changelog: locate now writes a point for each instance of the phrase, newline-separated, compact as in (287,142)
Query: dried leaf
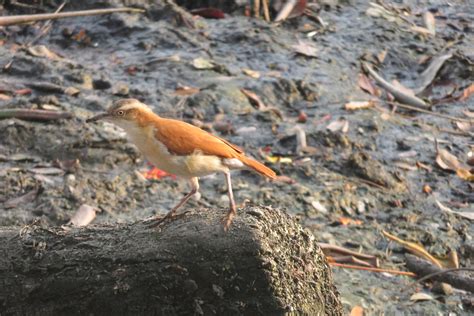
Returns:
(468,113)
(427,189)
(202,63)
(43,51)
(358,105)
(185,90)
(366,85)
(319,207)
(4,97)
(254,98)
(84,215)
(251,73)
(414,248)
(23,199)
(279,159)
(72,91)
(466,93)
(464,126)
(465,174)
(468,215)
(430,22)
(421,297)
(381,56)
(47,171)
(346,221)
(306,49)
(357,311)
(447,161)
(339,125)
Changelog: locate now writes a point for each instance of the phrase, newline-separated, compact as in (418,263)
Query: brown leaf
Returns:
(447,161)
(43,51)
(251,73)
(427,189)
(464,126)
(358,105)
(414,248)
(22,199)
(305,48)
(466,93)
(185,90)
(465,174)
(84,215)
(253,98)
(430,22)
(366,85)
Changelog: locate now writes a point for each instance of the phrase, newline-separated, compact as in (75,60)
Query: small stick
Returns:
(46,27)
(351,260)
(325,246)
(413,108)
(349,266)
(399,95)
(20,19)
(36,115)
(266,11)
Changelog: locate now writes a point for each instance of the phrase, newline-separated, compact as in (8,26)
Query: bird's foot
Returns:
(157,220)
(227,221)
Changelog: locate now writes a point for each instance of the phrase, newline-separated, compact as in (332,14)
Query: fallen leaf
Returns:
(251,73)
(466,93)
(22,199)
(447,161)
(464,126)
(319,207)
(185,90)
(306,49)
(254,98)
(430,22)
(427,189)
(43,51)
(421,297)
(279,159)
(424,166)
(346,221)
(468,215)
(209,13)
(358,105)
(339,125)
(465,174)
(357,311)
(84,215)
(468,113)
(414,248)
(285,179)
(202,63)
(381,56)
(366,85)
(72,91)
(4,97)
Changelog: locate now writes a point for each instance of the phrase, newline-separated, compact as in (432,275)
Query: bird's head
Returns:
(124,112)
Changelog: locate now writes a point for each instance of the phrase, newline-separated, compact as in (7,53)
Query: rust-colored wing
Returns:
(183,139)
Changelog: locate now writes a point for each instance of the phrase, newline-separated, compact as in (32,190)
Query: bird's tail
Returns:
(259,167)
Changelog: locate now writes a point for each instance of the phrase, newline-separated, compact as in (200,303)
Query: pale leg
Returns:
(232,208)
(194,189)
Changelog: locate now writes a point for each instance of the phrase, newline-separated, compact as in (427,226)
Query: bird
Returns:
(182,149)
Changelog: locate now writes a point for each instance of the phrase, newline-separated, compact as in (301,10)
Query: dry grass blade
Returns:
(381,270)
(414,248)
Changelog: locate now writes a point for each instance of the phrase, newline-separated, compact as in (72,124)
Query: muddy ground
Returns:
(371,169)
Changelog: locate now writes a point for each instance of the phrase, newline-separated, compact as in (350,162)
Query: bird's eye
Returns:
(120,113)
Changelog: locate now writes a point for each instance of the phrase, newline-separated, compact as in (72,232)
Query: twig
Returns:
(46,27)
(399,95)
(349,266)
(286,10)
(37,115)
(20,19)
(427,270)
(334,248)
(409,107)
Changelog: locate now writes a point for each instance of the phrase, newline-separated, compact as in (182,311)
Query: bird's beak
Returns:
(98,117)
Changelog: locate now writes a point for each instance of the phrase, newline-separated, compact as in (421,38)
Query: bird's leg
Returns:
(232,208)
(194,189)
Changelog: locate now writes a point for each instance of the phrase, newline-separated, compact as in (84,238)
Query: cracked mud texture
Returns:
(354,174)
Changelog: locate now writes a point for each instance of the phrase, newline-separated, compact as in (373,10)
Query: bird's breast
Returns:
(196,164)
